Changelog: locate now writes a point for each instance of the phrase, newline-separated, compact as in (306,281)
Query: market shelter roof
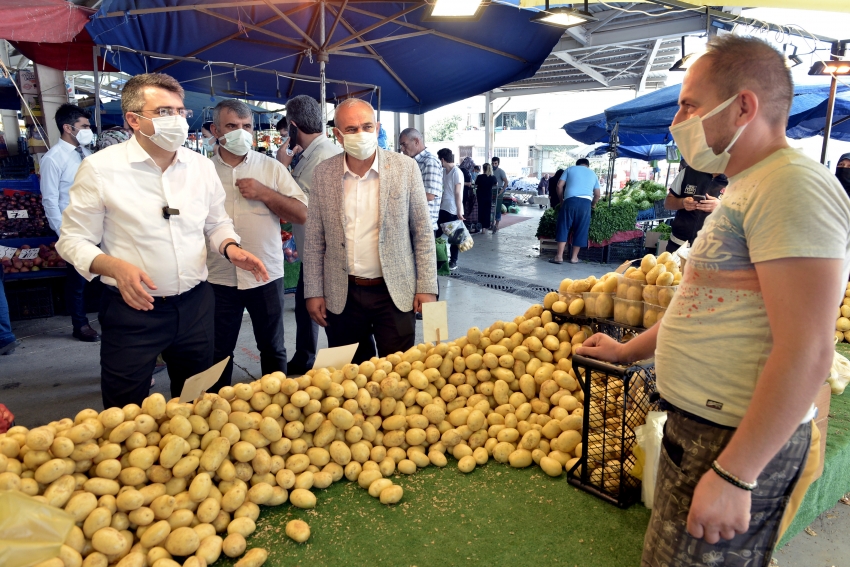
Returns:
(419,64)
(44,21)
(822,5)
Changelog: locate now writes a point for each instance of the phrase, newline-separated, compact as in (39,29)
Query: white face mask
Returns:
(361,145)
(84,136)
(690,138)
(208,144)
(238,142)
(169,132)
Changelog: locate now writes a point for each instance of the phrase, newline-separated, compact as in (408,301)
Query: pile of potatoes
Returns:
(172,482)
(842,325)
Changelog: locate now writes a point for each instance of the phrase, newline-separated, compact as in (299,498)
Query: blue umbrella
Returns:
(645,153)
(812,122)
(418,64)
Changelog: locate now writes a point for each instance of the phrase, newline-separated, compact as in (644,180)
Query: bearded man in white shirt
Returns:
(260,192)
(369,264)
(150,203)
(58,168)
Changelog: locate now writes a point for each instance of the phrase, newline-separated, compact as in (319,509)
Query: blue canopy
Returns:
(812,122)
(201,106)
(646,119)
(645,153)
(418,64)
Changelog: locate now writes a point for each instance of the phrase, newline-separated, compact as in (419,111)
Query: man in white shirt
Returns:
(451,204)
(58,168)
(304,126)
(150,203)
(739,358)
(259,193)
(370,250)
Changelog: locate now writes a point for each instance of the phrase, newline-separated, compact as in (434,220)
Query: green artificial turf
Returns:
(493,516)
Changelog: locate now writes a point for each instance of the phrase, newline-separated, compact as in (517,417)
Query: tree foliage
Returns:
(443,130)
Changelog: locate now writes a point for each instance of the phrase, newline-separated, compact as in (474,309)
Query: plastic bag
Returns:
(839,374)
(442,258)
(456,234)
(290,251)
(649,438)
(30,532)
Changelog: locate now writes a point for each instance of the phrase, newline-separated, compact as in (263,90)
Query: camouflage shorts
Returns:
(689,449)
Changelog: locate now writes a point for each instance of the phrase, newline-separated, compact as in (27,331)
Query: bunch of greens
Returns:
(606,220)
(642,194)
(546,228)
(665,229)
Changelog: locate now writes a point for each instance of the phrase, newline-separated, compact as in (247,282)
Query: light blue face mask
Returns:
(208,144)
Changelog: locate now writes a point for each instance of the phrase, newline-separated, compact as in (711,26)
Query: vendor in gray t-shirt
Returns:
(499,191)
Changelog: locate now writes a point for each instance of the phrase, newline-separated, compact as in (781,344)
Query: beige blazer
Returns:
(406,242)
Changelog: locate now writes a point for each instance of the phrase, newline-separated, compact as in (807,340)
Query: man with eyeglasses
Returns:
(150,203)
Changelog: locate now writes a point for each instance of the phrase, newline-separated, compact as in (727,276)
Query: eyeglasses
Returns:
(168,111)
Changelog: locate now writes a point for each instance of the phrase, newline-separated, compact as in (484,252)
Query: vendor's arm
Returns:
(603,347)
(675,201)
(597,192)
(792,375)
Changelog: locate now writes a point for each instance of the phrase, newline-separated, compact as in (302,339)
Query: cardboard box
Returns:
(822,421)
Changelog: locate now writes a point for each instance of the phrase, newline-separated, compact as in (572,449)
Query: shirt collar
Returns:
(248,159)
(67,146)
(374,167)
(422,155)
(317,141)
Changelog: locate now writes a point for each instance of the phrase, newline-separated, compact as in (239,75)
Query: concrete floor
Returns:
(51,375)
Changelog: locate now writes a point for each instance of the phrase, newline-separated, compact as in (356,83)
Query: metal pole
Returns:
(379,103)
(323,57)
(837,52)
(95,53)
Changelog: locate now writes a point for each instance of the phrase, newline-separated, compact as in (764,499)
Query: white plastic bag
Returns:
(456,234)
(649,438)
(839,374)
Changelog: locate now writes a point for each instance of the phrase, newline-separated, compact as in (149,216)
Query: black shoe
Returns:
(419,316)
(86,334)
(295,369)
(9,348)
(453,266)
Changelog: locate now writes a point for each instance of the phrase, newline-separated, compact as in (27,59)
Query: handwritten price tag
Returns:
(6,252)
(29,254)
(17,214)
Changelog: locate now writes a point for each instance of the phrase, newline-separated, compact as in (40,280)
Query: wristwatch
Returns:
(228,245)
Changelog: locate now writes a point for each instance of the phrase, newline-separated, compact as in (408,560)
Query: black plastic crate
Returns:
(646,215)
(661,212)
(619,252)
(616,401)
(29,302)
(595,254)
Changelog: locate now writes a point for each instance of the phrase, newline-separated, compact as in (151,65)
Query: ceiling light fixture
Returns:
(455,11)
(564,17)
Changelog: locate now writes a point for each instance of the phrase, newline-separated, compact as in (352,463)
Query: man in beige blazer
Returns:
(369,254)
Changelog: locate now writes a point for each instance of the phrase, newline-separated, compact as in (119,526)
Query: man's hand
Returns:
(460,217)
(316,309)
(709,204)
(718,509)
(129,280)
(248,262)
(284,158)
(252,189)
(689,204)
(601,347)
(421,298)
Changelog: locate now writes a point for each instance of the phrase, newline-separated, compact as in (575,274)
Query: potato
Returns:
(467,464)
(234,545)
(54,468)
(665,279)
(244,526)
(551,466)
(81,505)
(647,263)
(391,494)
(182,542)
(210,549)
(108,541)
(298,531)
(254,558)
(305,499)
(377,486)
(71,557)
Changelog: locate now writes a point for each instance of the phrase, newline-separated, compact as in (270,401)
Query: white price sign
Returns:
(6,252)
(29,254)
(17,214)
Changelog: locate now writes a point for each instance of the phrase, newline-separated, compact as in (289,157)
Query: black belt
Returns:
(368,282)
(160,300)
(664,405)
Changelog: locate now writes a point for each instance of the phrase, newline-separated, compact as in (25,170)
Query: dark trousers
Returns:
(446,216)
(179,327)
(370,311)
(265,306)
(75,284)
(306,333)
(485,203)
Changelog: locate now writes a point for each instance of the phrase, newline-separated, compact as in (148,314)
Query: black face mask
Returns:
(843,175)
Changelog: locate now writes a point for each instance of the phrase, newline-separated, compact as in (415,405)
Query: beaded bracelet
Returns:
(732,479)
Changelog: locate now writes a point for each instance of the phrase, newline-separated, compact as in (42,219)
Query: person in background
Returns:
(691,213)
(543,186)
(139,215)
(58,168)
(259,193)
(476,171)
(842,172)
(8,342)
(578,192)
(484,184)
(370,250)
(305,127)
(498,191)
(412,144)
(451,207)
(740,405)
(208,141)
(466,167)
(112,136)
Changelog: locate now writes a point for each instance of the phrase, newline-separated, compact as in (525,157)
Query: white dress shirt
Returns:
(320,149)
(57,169)
(117,200)
(254,222)
(362,218)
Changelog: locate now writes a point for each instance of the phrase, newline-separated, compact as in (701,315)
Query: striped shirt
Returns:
(432,178)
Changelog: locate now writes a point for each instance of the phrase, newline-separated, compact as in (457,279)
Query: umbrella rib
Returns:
(383,63)
(251,27)
(382,40)
(384,21)
(283,17)
(443,35)
(336,22)
(311,28)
